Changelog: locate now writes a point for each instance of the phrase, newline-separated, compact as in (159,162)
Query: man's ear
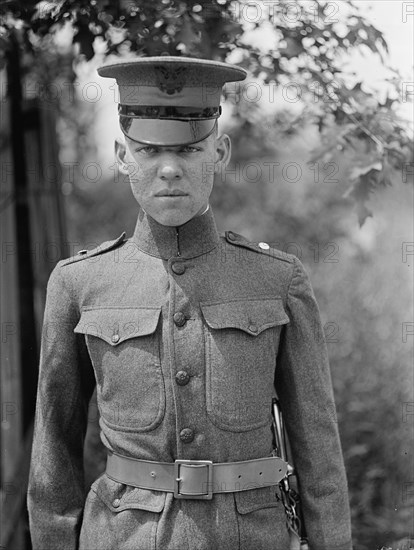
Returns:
(223,152)
(120,154)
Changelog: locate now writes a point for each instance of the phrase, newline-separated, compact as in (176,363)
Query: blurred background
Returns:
(322,167)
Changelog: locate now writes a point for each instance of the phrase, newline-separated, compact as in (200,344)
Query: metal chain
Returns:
(290,500)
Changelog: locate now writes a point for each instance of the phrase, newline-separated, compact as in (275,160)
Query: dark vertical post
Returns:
(29,352)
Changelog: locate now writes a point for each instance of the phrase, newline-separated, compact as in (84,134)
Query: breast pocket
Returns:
(241,342)
(124,346)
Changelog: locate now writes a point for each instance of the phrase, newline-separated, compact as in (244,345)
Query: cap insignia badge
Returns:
(170,80)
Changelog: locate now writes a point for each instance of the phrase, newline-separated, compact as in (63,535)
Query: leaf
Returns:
(85,39)
(188,34)
(292,49)
(365,183)
(362,213)
(358,171)
(386,173)
(331,140)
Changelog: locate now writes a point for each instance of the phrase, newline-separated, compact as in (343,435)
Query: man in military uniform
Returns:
(187,336)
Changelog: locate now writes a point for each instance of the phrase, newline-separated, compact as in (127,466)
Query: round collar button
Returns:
(178,268)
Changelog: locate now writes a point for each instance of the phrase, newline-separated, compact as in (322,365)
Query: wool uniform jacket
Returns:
(187,336)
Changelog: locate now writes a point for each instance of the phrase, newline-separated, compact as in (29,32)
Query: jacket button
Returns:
(116,503)
(178,268)
(264,246)
(231,236)
(179,319)
(187,435)
(182,377)
(115,338)
(253,327)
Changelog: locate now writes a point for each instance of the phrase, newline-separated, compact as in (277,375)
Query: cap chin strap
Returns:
(204,211)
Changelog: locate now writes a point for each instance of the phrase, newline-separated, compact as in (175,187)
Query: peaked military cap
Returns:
(170,100)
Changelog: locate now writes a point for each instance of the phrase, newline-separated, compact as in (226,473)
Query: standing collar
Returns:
(196,237)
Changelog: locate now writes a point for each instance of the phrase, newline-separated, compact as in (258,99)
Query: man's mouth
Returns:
(170,193)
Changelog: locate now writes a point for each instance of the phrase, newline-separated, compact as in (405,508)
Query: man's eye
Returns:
(190,149)
(147,150)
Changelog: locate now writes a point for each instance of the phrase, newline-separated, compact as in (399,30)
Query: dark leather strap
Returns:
(198,479)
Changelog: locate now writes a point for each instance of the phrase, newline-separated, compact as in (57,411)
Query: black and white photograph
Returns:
(206,289)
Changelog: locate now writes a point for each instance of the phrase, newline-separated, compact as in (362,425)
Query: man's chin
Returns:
(172,219)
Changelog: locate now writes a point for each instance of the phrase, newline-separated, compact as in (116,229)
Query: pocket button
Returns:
(253,328)
(116,503)
(187,435)
(179,319)
(115,338)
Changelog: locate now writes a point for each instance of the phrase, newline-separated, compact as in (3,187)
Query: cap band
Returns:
(169,112)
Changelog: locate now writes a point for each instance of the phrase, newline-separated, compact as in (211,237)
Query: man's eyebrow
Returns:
(177,148)
(143,145)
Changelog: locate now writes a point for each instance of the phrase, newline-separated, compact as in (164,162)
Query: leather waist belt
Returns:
(196,479)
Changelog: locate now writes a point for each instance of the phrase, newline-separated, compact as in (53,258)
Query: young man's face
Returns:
(173,184)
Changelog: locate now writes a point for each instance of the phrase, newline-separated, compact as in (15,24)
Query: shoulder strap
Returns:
(101,249)
(261,248)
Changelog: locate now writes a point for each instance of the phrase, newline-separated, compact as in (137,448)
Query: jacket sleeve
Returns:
(56,485)
(304,388)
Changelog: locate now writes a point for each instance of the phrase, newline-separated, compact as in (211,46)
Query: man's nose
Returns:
(169,168)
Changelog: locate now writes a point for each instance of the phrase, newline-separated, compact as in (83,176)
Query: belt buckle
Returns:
(200,496)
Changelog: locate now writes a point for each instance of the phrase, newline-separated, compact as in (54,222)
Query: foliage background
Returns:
(348,147)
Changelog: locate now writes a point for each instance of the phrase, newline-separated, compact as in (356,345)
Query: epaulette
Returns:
(104,247)
(262,247)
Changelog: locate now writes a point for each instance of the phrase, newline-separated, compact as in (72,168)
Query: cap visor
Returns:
(166,132)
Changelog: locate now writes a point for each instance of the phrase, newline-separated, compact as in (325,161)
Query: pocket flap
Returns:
(257,499)
(252,315)
(115,325)
(119,497)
